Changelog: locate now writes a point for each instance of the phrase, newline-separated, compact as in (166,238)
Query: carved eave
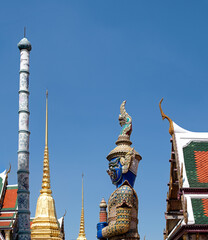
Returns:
(173,215)
(181,231)
(174,210)
(4,180)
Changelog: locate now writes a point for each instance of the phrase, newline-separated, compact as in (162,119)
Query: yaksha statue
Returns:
(121,221)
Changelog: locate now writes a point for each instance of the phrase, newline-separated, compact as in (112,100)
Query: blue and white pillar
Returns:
(23,193)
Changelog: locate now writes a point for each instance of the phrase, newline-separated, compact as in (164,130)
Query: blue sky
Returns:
(91,55)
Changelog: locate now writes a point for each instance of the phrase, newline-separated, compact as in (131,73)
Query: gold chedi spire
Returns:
(46,171)
(82,228)
(45,224)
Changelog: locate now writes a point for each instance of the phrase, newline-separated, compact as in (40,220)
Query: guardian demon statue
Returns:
(122,220)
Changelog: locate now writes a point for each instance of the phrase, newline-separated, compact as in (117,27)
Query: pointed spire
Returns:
(46,170)
(45,224)
(46,125)
(82,228)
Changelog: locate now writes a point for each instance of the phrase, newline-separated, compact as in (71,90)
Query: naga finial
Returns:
(171,129)
(125,121)
(8,171)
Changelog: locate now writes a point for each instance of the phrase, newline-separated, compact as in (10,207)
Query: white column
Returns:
(23,143)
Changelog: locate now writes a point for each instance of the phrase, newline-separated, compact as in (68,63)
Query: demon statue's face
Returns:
(123,168)
(115,170)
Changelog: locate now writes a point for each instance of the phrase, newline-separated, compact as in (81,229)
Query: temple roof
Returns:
(187,200)
(3,177)
(8,210)
(10,199)
(192,151)
(191,155)
(196,163)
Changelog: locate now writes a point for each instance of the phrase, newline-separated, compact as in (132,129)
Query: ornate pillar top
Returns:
(24,44)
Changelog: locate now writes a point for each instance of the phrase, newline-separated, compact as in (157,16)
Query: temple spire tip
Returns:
(46,127)
(46,172)
(82,228)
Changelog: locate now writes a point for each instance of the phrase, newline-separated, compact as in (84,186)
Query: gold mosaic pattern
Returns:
(122,224)
(122,214)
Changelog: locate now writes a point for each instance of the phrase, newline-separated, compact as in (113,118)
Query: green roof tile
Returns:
(198,210)
(190,163)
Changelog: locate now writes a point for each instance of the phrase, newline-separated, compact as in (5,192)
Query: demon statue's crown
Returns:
(125,121)
(128,157)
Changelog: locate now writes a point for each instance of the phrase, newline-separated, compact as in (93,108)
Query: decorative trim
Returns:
(23,171)
(24,131)
(21,151)
(23,211)
(24,91)
(24,111)
(194,190)
(24,71)
(23,191)
(188,229)
(23,232)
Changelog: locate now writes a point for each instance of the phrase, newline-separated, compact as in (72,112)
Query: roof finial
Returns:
(8,171)
(171,129)
(24,32)
(82,228)
(65,213)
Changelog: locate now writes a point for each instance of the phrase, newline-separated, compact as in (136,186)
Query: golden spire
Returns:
(46,171)
(171,128)
(82,228)
(45,224)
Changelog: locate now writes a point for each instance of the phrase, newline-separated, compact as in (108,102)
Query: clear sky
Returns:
(92,55)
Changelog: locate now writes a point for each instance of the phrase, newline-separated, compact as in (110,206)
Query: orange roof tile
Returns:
(10,199)
(4,223)
(2,214)
(205,206)
(201,160)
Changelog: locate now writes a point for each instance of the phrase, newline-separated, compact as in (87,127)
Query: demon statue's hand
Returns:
(100,226)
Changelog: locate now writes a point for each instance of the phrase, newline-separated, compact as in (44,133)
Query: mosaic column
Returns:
(103,212)
(23,143)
